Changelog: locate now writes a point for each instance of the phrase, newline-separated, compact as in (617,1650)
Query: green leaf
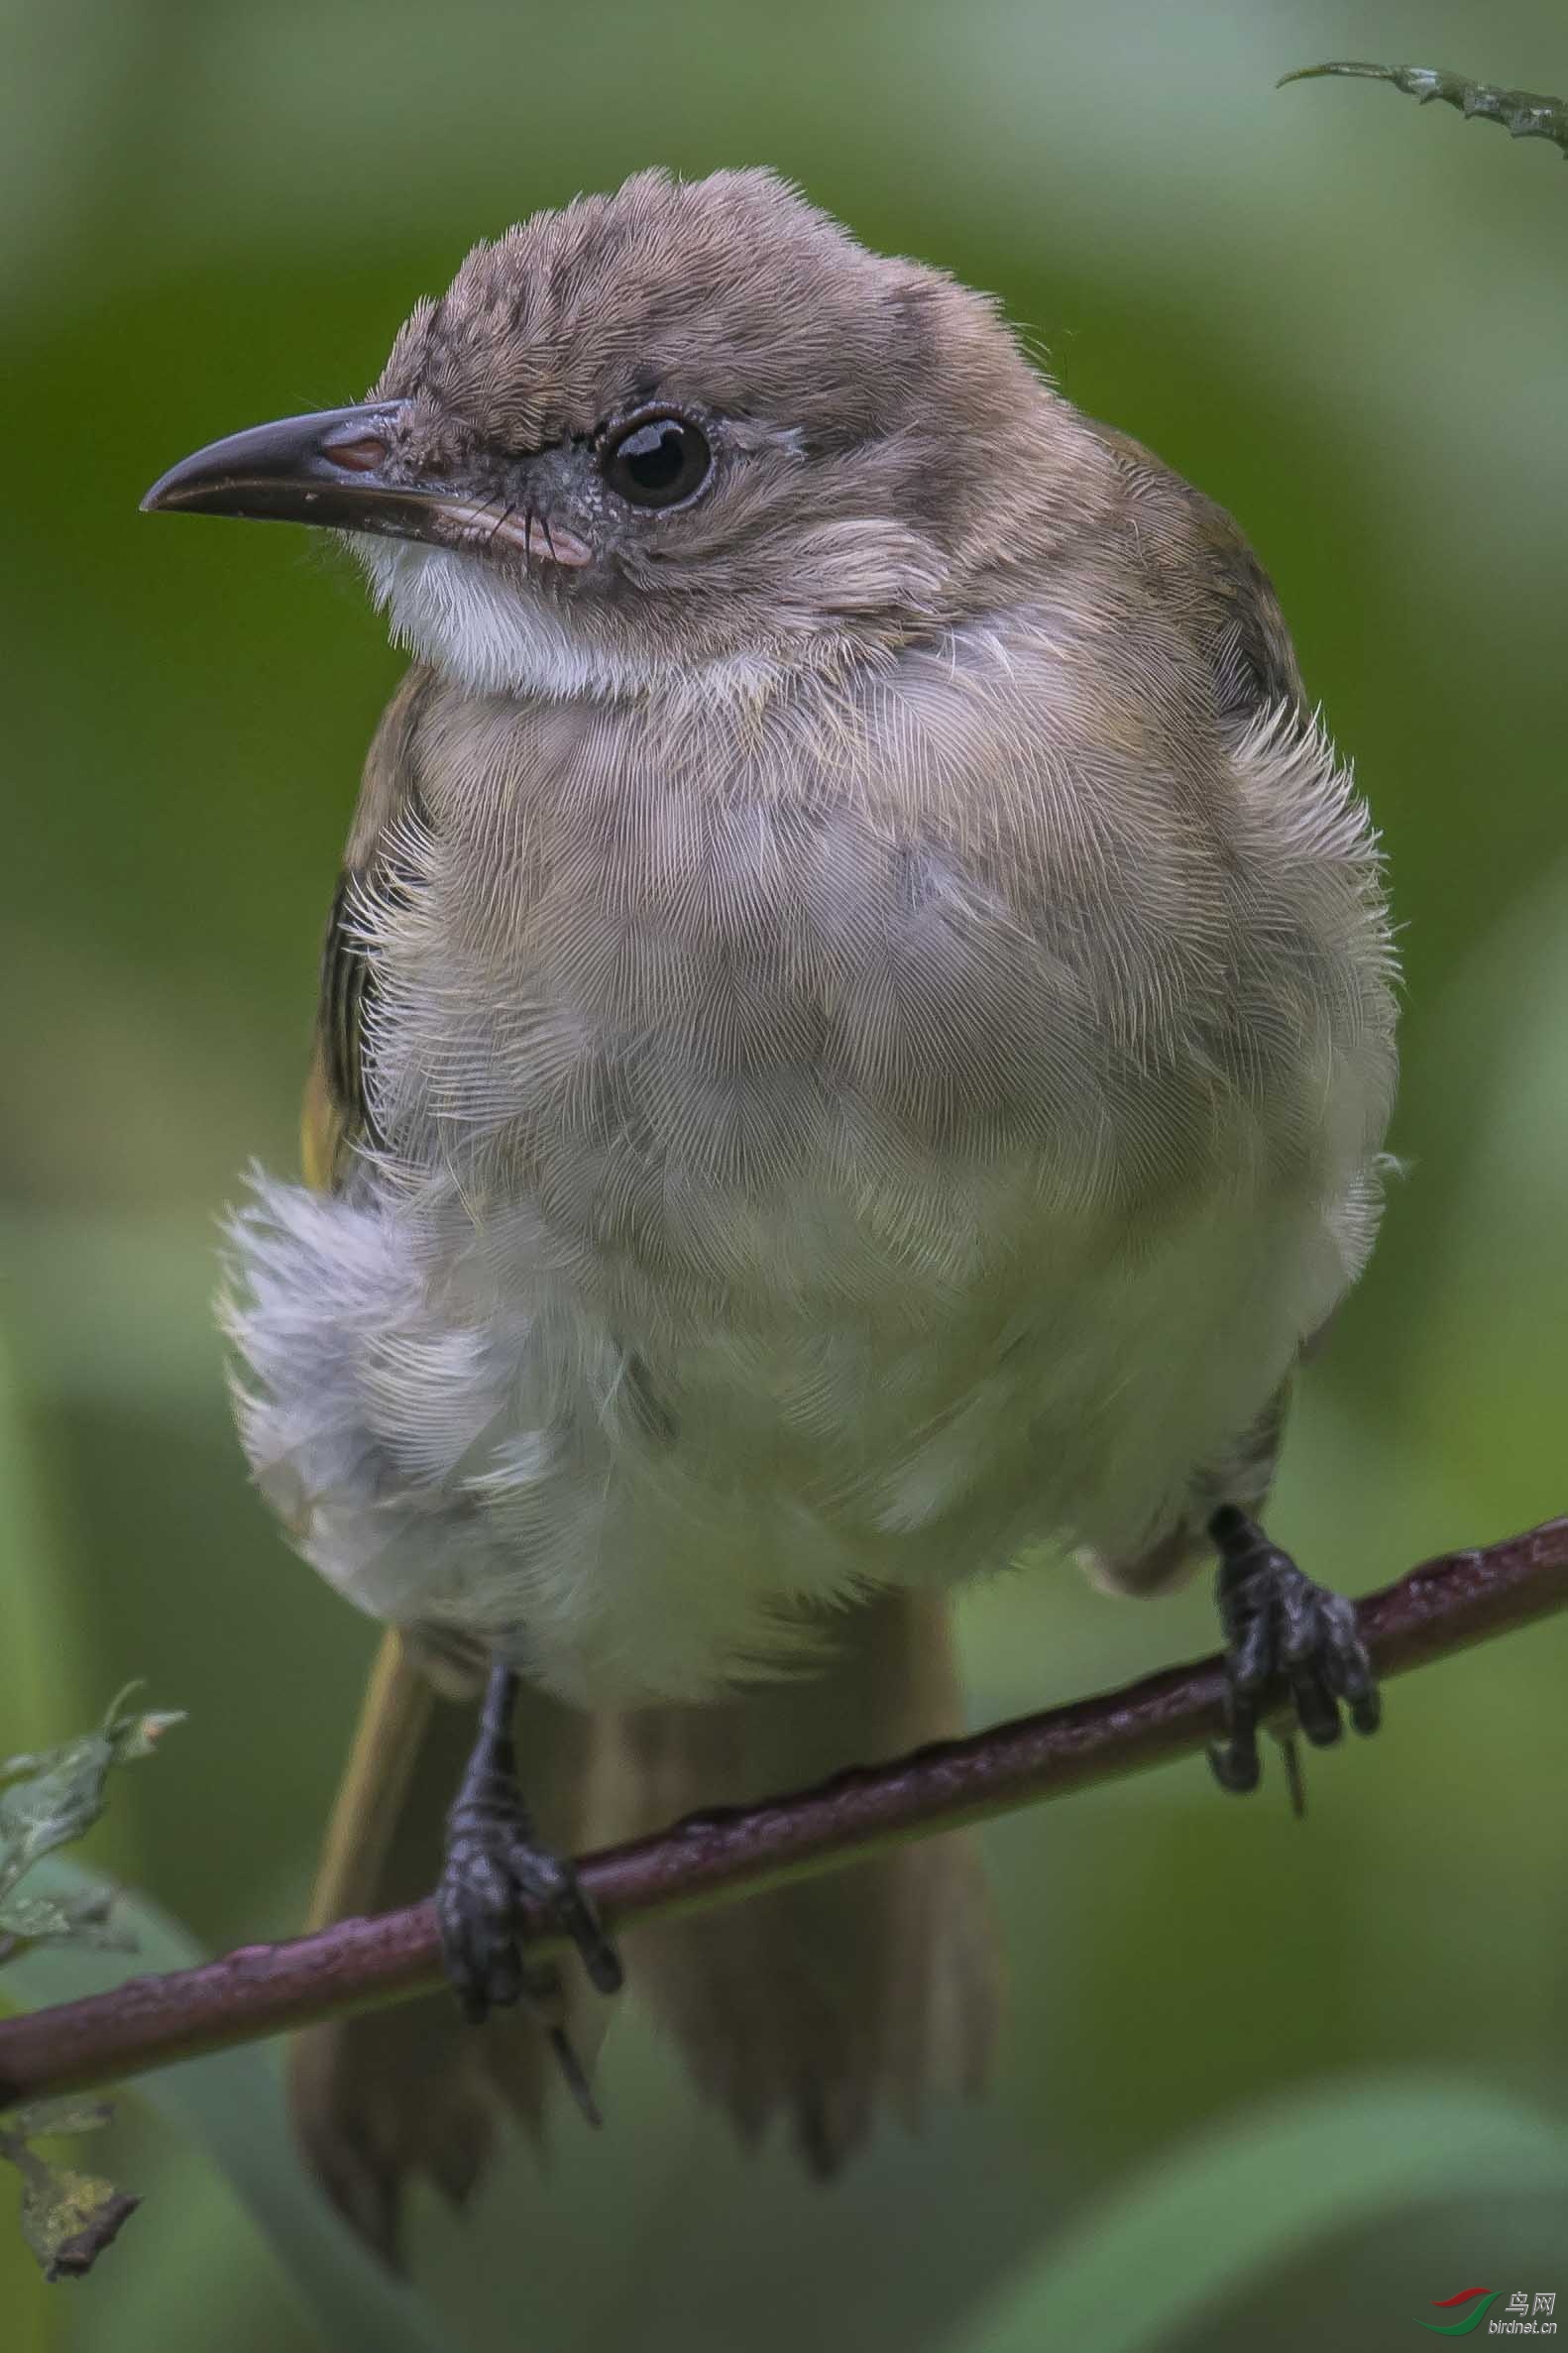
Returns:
(232,2104)
(69,2219)
(39,1920)
(1523,114)
(55,1798)
(1189,2234)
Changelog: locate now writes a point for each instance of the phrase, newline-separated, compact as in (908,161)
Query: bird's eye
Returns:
(657,461)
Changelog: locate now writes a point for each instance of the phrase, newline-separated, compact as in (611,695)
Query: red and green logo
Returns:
(1478,2302)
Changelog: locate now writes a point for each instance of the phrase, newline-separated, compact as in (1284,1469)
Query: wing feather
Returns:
(337,1115)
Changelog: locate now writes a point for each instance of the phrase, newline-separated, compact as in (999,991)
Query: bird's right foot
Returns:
(495,1875)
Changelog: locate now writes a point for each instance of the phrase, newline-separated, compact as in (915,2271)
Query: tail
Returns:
(819,2004)
(814,2004)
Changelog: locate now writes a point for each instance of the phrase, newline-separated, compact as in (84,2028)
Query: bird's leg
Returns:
(495,1866)
(1282,1629)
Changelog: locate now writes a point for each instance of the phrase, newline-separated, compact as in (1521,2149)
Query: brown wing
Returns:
(1208,573)
(1210,576)
(409,2090)
(337,1115)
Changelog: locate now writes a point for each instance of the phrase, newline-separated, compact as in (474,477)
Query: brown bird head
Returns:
(691,424)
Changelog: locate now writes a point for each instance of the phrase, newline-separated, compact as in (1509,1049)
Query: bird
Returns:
(856,1037)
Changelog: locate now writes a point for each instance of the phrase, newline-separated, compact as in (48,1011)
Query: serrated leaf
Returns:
(55,1797)
(1523,114)
(69,2219)
(29,1919)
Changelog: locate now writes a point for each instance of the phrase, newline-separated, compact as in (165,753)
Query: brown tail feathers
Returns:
(814,2003)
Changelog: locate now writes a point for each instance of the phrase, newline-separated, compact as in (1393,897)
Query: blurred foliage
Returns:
(1352,334)
(1282,2177)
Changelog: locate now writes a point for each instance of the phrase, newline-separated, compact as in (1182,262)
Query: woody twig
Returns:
(723,1857)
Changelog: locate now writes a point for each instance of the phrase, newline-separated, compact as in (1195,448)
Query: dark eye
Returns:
(658,461)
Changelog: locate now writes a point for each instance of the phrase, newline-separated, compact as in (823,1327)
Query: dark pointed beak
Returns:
(323,469)
(331,469)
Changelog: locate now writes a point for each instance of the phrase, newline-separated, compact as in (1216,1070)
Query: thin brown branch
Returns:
(721,1857)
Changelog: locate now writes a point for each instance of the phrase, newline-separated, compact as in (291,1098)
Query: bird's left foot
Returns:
(1283,1630)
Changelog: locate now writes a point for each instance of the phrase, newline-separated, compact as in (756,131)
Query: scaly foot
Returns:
(495,1870)
(1282,1629)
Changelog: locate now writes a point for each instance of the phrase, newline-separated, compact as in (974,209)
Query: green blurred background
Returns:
(1344,319)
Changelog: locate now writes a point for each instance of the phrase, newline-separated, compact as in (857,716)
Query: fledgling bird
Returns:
(855,1039)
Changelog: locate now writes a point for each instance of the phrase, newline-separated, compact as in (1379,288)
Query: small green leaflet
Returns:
(1523,114)
(47,1800)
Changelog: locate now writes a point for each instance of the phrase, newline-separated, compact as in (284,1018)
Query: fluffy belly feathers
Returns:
(779,1201)
(635,1490)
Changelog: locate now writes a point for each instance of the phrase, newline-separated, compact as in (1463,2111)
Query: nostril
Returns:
(360,456)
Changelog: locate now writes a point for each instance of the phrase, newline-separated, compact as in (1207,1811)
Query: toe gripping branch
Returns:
(1283,1631)
(495,1870)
